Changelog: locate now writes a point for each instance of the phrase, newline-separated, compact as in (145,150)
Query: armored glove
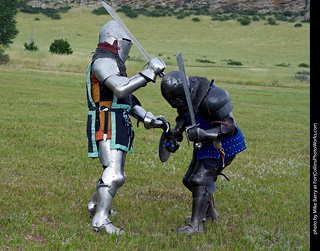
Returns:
(150,121)
(197,134)
(173,144)
(155,67)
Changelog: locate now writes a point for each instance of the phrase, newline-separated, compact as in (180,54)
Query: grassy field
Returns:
(47,180)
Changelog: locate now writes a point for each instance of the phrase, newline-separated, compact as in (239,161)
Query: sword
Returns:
(186,84)
(124,27)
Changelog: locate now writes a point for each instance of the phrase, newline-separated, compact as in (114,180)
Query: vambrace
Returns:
(221,129)
(123,86)
(148,119)
(197,134)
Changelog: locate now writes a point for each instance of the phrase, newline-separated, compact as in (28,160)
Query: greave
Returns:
(199,208)
(101,219)
(92,206)
(104,201)
(200,205)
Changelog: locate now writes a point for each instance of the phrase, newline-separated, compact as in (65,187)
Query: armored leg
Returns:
(92,206)
(112,179)
(200,179)
(200,204)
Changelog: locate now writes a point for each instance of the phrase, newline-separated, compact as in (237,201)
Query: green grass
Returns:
(47,180)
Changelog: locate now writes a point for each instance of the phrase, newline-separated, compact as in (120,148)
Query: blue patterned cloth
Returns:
(231,146)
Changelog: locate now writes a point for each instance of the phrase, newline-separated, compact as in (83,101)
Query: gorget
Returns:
(103,53)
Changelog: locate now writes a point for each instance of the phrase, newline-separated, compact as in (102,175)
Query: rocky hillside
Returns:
(259,5)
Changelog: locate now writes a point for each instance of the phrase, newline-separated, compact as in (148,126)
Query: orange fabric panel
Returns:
(95,88)
(99,134)
(95,93)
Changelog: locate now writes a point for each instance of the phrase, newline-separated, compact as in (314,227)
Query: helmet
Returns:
(112,32)
(213,103)
(172,90)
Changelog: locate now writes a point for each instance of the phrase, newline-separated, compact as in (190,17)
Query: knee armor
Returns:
(113,162)
(200,174)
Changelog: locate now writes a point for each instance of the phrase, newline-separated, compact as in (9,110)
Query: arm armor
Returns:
(147,118)
(123,86)
(107,72)
(221,129)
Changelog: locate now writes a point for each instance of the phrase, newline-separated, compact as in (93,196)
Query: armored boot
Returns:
(199,207)
(100,221)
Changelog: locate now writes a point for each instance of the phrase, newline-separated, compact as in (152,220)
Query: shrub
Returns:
(255,18)
(281,17)
(132,14)
(288,13)
(55,16)
(283,65)
(205,61)
(50,12)
(304,65)
(60,46)
(231,62)
(100,11)
(128,11)
(244,21)
(195,19)
(271,21)
(31,46)
(64,9)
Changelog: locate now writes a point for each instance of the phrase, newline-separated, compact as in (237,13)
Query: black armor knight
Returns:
(217,140)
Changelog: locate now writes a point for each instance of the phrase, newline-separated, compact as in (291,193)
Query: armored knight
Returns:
(109,130)
(217,140)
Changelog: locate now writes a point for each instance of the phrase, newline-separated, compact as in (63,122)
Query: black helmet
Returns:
(172,90)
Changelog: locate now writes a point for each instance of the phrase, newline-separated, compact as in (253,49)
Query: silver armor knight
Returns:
(109,129)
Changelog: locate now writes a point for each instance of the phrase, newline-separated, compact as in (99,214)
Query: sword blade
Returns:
(185,82)
(124,27)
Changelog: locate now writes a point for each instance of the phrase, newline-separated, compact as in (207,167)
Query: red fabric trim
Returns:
(113,48)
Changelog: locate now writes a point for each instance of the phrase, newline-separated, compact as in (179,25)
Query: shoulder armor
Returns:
(216,105)
(102,68)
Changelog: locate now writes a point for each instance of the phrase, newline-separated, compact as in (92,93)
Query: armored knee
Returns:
(111,176)
(119,180)
(198,180)
(186,182)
